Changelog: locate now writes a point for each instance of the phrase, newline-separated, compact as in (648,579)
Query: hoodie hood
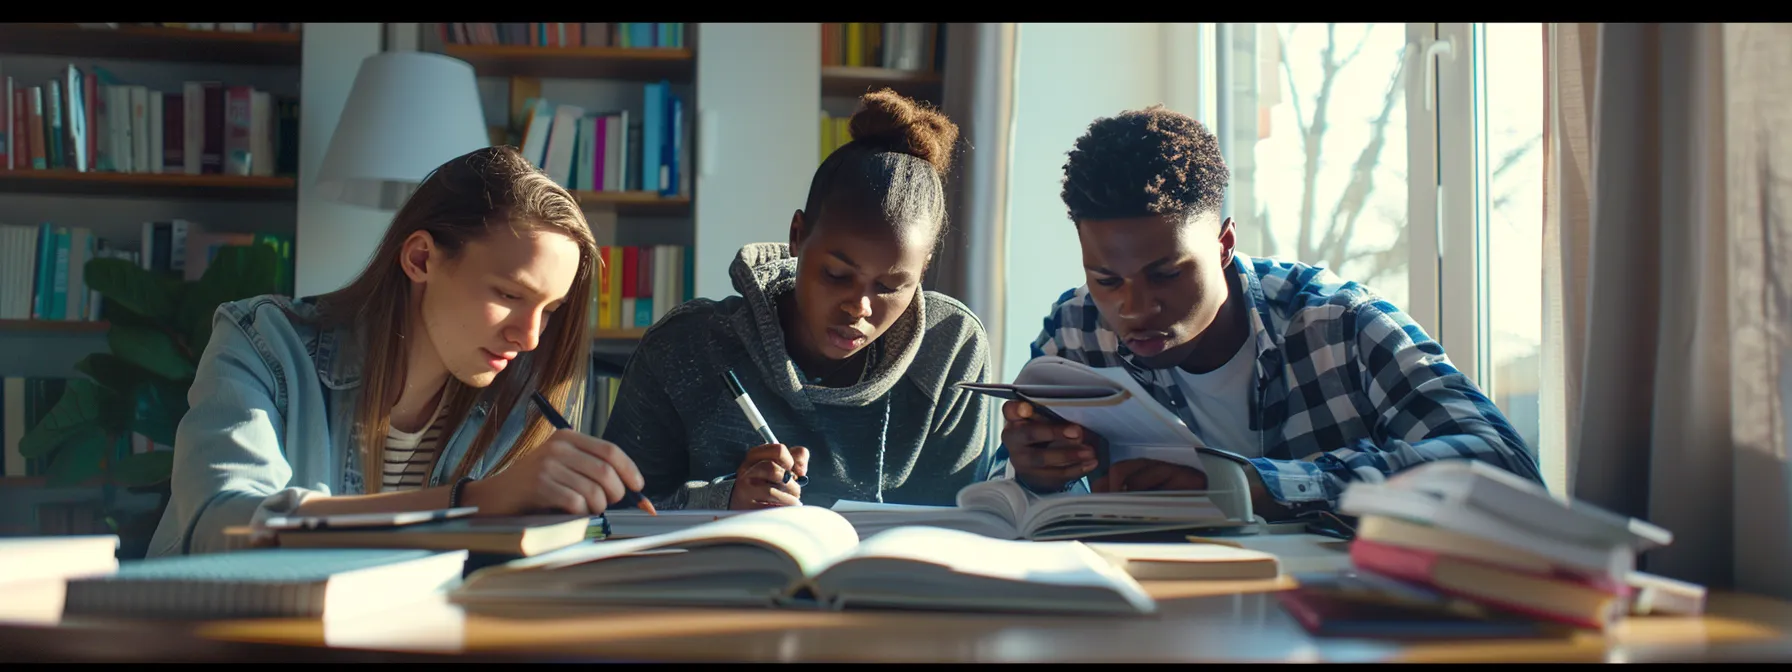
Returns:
(761,273)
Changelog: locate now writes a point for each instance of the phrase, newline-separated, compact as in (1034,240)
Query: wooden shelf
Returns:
(619,334)
(151,43)
(48,348)
(153,185)
(635,202)
(840,80)
(641,65)
(54,326)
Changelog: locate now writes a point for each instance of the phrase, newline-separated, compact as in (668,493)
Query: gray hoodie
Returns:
(904,434)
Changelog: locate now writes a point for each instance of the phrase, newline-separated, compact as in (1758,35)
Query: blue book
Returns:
(266,583)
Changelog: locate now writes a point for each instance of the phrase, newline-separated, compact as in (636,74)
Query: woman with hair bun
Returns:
(852,365)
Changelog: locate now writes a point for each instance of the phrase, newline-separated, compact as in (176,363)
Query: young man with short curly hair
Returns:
(1317,381)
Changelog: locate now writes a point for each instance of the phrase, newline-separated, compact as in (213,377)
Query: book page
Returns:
(963,552)
(1036,565)
(811,536)
(870,518)
(1129,424)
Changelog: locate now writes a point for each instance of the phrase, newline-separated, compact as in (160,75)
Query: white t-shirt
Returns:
(410,456)
(1220,400)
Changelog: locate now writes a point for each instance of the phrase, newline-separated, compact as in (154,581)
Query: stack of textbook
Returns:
(1483,539)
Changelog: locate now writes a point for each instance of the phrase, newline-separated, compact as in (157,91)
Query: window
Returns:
(1405,157)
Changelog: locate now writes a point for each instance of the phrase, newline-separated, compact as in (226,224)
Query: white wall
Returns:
(755,136)
(334,240)
(1066,76)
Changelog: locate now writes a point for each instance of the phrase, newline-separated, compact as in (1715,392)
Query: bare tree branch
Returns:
(1507,162)
(1356,50)
(1362,175)
(1269,233)
(1384,261)
(1293,91)
(1311,142)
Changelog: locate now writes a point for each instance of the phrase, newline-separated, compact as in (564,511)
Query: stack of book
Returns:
(1486,542)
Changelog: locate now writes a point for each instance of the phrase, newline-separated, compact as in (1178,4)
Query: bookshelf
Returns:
(636,203)
(120,65)
(849,81)
(859,58)
(151,43)
(148,185)
(605,70)
(644,64)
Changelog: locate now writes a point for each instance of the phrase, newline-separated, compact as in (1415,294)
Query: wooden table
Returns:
(1199,621)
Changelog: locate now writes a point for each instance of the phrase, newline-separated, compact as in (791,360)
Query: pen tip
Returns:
(647,506)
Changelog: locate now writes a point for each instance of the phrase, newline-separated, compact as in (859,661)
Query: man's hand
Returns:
(759,484)
(1142,474)
(1045,453)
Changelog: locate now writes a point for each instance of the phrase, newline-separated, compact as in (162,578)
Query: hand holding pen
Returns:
(569,472)
(771,474)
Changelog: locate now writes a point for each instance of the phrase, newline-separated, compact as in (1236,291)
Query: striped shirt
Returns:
(1346,386)
(410,456)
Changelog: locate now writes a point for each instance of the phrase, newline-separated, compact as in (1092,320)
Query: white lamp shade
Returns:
(408,113)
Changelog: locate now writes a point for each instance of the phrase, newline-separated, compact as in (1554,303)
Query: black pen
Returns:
(633,498)
(755,419)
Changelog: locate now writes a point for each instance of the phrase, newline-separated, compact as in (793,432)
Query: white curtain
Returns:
(979,97)
(1666,306)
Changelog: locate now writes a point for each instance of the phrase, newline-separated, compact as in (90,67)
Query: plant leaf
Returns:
(78,409)
(235,272)
(111,371)
(159,408)
(129,285)
(79,459)
(141,469)
(151,349)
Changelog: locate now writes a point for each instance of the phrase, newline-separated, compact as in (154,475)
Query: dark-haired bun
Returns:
(890,121)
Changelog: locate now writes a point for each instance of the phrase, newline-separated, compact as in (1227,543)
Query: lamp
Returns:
(408,113)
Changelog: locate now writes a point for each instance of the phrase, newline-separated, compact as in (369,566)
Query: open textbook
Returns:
(1002,509)
(1110,403)
(805,556)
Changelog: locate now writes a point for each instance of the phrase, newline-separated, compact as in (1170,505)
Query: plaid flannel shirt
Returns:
(1348,388)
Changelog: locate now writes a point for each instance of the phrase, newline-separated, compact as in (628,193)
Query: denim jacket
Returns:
(271,421)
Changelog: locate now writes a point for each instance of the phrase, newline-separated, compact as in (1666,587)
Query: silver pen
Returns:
(754,418)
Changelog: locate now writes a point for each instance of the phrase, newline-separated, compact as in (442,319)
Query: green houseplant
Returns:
(160,325)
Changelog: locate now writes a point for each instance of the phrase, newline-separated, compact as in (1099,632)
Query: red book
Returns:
(1588,602)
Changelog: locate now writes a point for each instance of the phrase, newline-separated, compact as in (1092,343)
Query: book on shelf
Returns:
(1470,529)
(640,284)
(810,557)
(43,268)
(88,119)
(548,34)
(896,46)
(267,583)
(24,402)
(610,150)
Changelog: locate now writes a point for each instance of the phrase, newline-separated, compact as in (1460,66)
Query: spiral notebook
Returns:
(266,583)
